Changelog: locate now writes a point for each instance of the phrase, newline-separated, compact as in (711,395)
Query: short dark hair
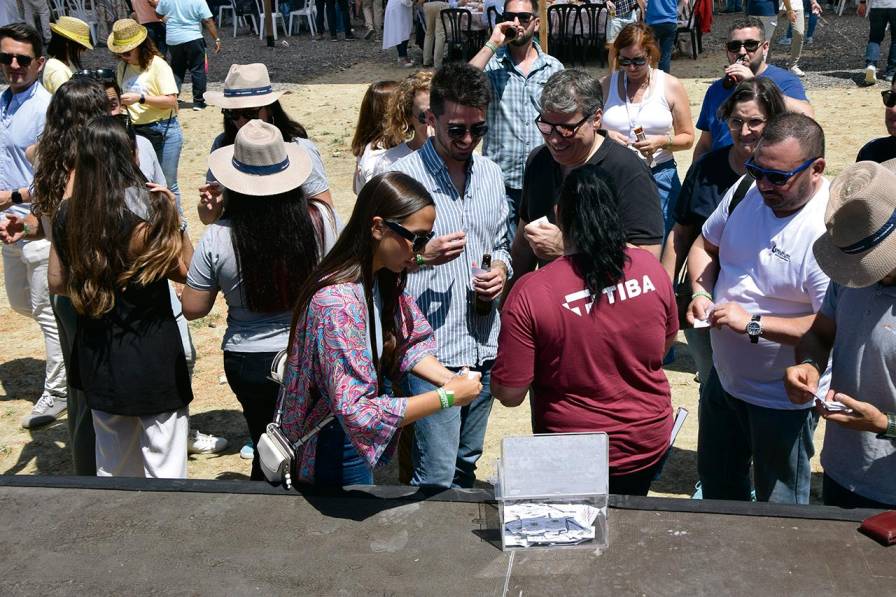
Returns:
(792,125)
(24,32)
(460,83)
(762,90)
(534,4)
(748,23)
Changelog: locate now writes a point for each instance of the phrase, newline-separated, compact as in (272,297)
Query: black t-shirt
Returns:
(879,150)
(707,181)
(639,202)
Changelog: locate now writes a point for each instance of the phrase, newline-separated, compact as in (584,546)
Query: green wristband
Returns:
(701,293)
(492,46)
(443,398)
(419,259)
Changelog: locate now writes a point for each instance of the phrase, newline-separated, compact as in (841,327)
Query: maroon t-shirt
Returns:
(594,366)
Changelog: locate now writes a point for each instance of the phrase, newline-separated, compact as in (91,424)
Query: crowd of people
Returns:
(558,263)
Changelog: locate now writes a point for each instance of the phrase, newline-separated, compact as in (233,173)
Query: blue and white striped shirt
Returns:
(512,133)
(445,292)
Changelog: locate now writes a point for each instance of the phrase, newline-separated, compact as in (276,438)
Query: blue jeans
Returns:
(169,156)
(665,39)
(338,463)
(878,19)
(733,432)
(447,444)
(668,185)
(733,6)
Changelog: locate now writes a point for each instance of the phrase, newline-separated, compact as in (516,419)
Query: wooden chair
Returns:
(564,31)
(692,28)
(457,23)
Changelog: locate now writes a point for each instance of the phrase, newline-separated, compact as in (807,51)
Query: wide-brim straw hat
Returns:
(74,29)
(126,35)
(259,162)
(246,86)
(859,247)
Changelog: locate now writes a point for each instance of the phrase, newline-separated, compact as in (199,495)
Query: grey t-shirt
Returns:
(315,184)
(214,267)
(864,367)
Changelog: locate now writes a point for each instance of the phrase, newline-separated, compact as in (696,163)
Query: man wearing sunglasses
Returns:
(746,50)
(23,109)
(517,70)
(471,221)
(756,282)
(883,149)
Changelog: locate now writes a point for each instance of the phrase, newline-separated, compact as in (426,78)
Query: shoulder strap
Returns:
(740,192)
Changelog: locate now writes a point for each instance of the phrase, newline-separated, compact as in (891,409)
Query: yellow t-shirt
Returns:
(56,72)
(157,79)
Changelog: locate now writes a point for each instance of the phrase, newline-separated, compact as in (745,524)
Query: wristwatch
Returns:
(142,98)
(890,433)
(754,329)
(15,196)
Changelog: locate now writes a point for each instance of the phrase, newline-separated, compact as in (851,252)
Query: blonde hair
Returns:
(400,111)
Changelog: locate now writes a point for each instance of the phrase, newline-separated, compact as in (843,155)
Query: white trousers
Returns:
(25,278)
(151,446)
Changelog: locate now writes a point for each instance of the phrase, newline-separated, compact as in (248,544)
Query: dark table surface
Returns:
(113,537)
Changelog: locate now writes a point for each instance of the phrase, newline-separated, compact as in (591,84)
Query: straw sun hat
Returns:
(259,162)
(126,35)
(246,86)
(859,247)
(74,29)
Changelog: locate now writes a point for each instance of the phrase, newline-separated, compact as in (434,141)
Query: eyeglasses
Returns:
(564,130)
(23,61)
(418,241)
(100,74)
(523,17)
(779,178)
(421,117)
(889,98)
(737,124)
(238,113)
(626,62)
(751,45)
(459,131)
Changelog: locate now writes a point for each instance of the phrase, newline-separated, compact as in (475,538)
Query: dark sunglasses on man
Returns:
(523,17)
(22,60)
(238,113)
(751,45)
(458,131)
(564,130)
(889,98)
(418,241)
(779,178)
(100,74)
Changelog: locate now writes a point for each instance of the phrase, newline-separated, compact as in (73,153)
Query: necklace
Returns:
(628,104)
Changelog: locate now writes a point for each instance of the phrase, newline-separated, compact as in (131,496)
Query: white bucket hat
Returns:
(246,86)
(259,162)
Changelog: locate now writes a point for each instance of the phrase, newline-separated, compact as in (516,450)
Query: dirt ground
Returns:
(327,106)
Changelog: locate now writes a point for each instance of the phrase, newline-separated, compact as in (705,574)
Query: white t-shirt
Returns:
(366,164)
(768,268)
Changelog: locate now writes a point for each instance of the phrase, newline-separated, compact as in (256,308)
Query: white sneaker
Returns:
(203,443)
(247,452)
(797,71)
(44,412)
(870,75)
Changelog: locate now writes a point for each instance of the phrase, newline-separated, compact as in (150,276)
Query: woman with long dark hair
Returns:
(68,41)
(599,319)
(354,327)
(116,242)
(258,255)
(248,95)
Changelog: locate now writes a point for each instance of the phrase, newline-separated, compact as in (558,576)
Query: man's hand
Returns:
(862,9)
(12,230)
(699,309)
(217,46)
(801,383)
(791,15)
(731,315)
(489,285)
(545,239)
(445,248)
(130,98)
(864,416)
(739,71)
(499,38)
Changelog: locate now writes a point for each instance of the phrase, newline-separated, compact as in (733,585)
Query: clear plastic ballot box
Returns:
(552,491)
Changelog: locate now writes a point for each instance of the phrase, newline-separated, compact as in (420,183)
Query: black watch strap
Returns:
(16,196)
(754,338)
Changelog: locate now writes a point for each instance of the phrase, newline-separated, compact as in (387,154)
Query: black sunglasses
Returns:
(24,61)
(418,241)
(237,113)
(639,61)
(779,178)
(564,130)
(458,131)
(99,74)
(735,45)
(889,98)
(421,117)
(523,17)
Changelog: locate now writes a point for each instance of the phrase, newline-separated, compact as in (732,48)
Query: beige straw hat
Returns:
(859,247)
(126,35)
(259,162)
(246,86)
(73,29)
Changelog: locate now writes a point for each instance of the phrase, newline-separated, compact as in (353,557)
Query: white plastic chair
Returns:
(276,14)
(309,12)
(84,10)
(236,19)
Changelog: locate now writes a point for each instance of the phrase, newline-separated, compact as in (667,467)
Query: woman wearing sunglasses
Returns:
(883,149)
(259,255)
(248,95)
(354,327)
(70,38)
(648,110)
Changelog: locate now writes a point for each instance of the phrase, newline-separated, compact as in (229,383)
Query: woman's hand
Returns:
(651,144)
(619,137)
(466,387)
(157,188)
(129,98)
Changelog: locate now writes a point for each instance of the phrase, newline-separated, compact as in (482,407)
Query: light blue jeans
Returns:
(732,433)
(169,156)
(668,185)
(447,444)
